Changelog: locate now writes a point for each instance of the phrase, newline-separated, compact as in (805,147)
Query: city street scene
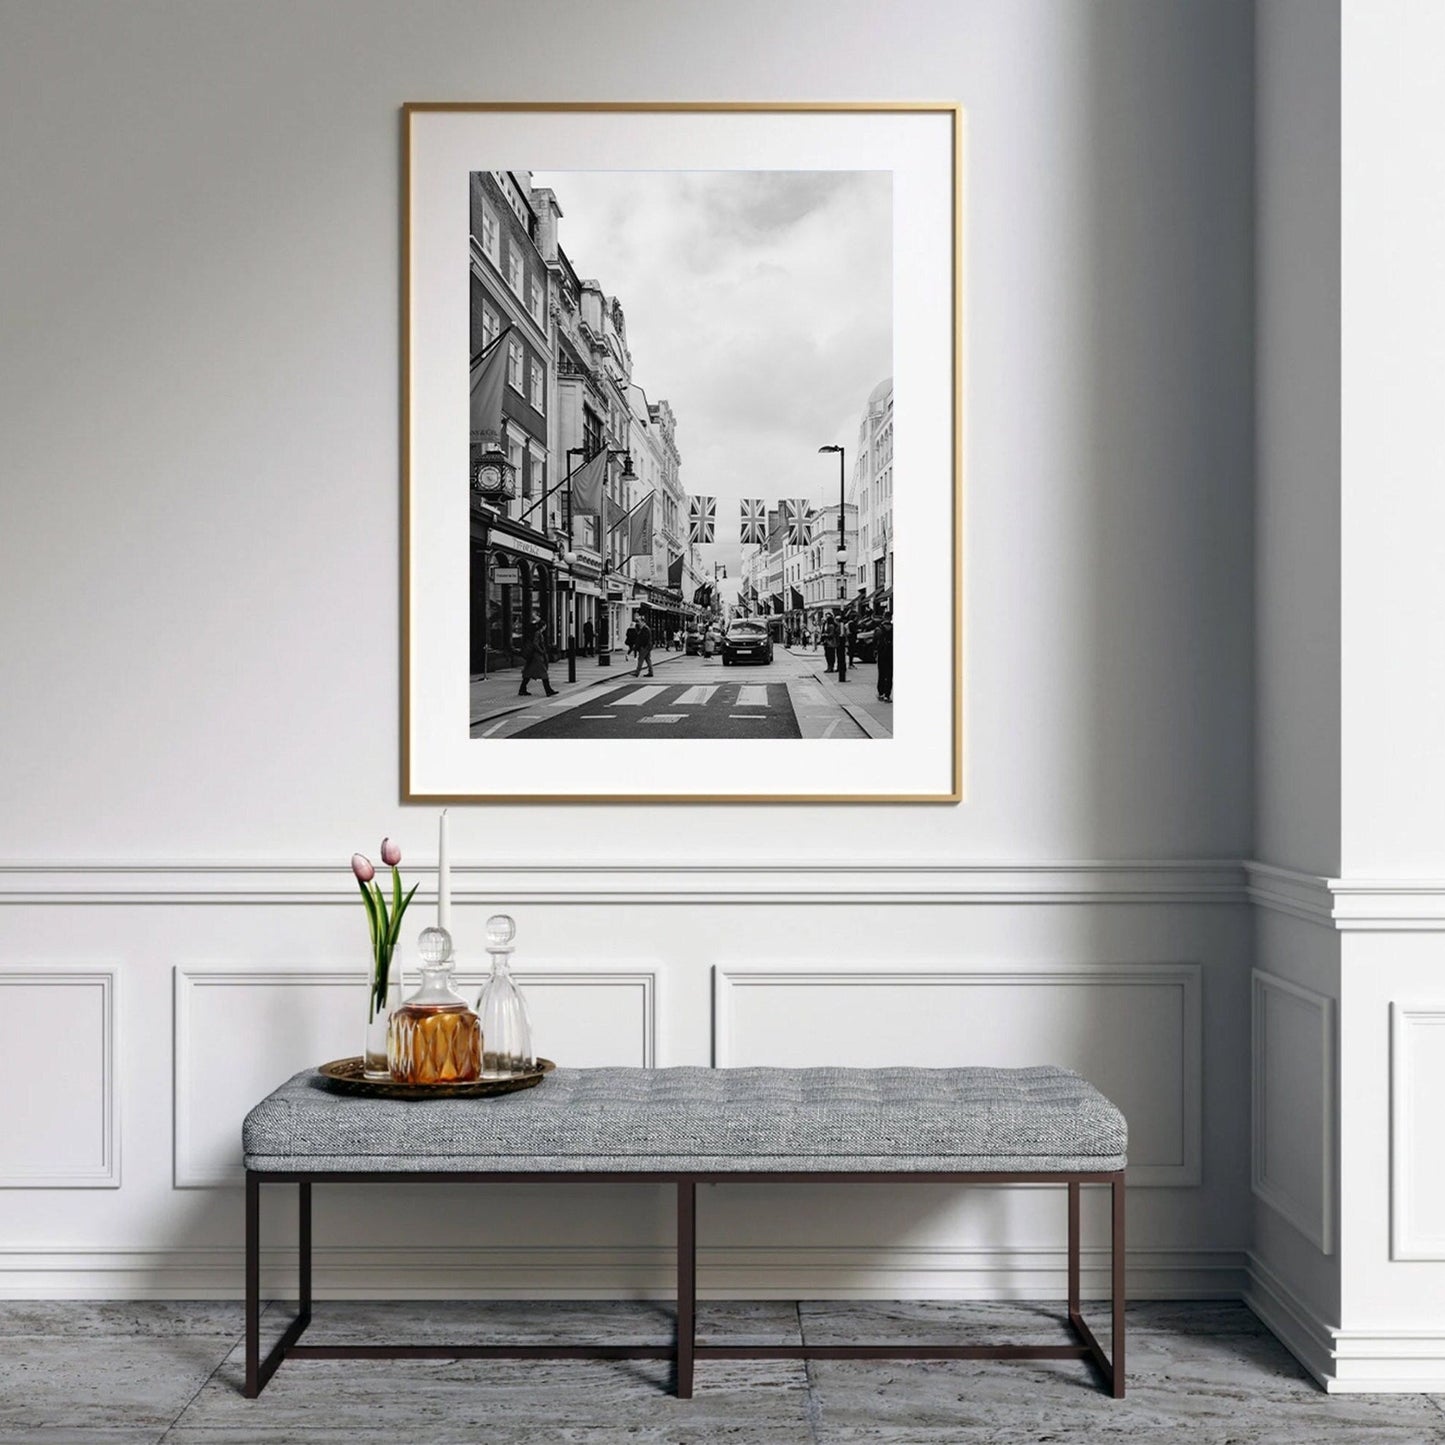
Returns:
(681,455)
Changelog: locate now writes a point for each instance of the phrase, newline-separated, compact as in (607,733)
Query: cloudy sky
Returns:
(759,303)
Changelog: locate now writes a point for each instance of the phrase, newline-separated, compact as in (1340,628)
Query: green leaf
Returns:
(401,908)
(371,918)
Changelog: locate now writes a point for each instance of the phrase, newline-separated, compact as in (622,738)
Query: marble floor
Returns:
(74,1373)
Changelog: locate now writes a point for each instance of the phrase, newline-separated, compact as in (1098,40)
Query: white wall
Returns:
(198,565)
(1348,1021)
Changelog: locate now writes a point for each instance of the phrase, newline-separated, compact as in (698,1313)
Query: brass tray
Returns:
(344,1076)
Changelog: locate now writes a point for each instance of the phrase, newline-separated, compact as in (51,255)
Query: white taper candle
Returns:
(444,876)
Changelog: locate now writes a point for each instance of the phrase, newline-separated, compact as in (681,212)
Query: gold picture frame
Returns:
(433,771)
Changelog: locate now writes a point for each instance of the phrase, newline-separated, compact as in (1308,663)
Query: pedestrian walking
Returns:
(589,638)
(830,640)
(631,639)
(643,642)
(883,640)
(534,664)
(842,650)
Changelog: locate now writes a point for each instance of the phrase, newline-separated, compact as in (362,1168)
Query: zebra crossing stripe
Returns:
(752,694)
(638,697)
(662,717)
(698,696)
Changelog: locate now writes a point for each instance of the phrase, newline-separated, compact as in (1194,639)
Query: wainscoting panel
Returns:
(1417,1163)
(60,1128)
(1134,1030)
(1293,1105)
(588,1017)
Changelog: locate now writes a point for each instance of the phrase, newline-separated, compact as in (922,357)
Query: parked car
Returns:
(866,649)
(747,642)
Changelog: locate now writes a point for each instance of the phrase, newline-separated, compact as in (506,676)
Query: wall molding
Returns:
(1316,1223)
(1377,1361)
(1349,905)
(1208,881)
(727,978)
(1406,1021)
(187,1173)
(617,1272)
(106,1175)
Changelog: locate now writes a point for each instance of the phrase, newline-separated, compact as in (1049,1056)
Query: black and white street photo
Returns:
(681,455)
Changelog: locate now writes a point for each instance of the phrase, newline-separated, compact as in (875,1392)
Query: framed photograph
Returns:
(683,453)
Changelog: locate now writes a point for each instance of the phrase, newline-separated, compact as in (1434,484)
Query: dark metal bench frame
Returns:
(685,1351)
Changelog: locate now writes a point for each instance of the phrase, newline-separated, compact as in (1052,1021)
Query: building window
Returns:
(537,303)
(514,365)
(514,455)
(489,234)
(539,399)
(490,326)
(514,268)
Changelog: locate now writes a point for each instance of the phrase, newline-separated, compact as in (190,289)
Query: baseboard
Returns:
(1362,1362)
(617,1272)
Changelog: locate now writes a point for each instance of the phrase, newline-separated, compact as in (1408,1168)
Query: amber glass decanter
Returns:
(435,1038)
(507,1047)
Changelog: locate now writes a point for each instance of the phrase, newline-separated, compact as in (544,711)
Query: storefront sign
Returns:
(507,576)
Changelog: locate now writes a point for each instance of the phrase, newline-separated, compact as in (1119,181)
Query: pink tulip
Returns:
(390,853)
(361,866)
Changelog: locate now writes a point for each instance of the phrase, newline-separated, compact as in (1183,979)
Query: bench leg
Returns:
(1116,1242)
(253,1285)
(1112,1370)
(259,1371)
(686,1287)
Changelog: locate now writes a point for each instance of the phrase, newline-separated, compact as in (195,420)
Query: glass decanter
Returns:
(506,1034)
(434,1037)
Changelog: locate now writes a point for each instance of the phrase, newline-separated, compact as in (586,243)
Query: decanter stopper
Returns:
(435,946)
(506,1032)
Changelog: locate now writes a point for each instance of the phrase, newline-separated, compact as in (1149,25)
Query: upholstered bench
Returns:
(694,1126)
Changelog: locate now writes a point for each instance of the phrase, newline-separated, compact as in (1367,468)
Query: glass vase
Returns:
(373,1059)
(506,1032)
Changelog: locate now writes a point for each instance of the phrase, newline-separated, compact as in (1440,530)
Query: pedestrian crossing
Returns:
(721,695)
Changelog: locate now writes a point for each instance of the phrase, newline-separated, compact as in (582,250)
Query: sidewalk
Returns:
(859,694)
(496,694)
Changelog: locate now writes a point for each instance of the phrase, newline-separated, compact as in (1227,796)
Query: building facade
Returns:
(513,557)
(568,394)
(873,493)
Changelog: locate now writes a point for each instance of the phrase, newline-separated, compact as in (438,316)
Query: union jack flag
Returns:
(754,521)
(798,516)
(702,519)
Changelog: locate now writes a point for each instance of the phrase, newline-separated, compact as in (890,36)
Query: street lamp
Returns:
(570,558)
(842,563)
(604,607)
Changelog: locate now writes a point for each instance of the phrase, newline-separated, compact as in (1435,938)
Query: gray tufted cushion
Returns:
(705,1120)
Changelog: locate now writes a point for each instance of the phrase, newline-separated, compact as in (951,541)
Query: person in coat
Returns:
(883,638)
(830,640)
(534,664)
(643,643)
(589,637)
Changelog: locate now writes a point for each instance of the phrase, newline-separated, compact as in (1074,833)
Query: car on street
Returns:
(747,642)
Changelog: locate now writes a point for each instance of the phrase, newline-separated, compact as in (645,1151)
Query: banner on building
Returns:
(674,571)
(638,536)
(587,485)
(777,530)
(702,519)
(489,375)
(753,521)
